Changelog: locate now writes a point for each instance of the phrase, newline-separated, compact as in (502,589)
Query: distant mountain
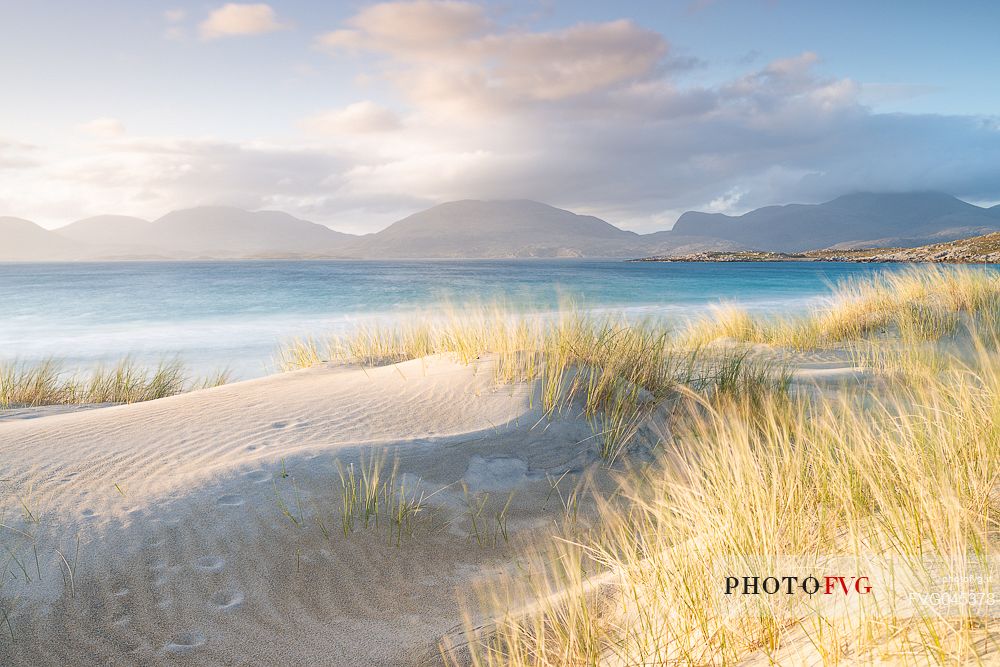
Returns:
(107,229)
(208,231)
(220,231)
(22,240)
(516,228)
(504,228)
(112,235)
(857,220)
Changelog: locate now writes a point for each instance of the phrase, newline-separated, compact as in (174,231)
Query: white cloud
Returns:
(450,56)
(588,116)
(418,28)
(174,15)
(357,118)
(104,128)
(233,19)
(149,176)
(17,155)
(591,116)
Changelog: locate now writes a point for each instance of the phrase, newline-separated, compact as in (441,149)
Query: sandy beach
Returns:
(162,535)
(185,555)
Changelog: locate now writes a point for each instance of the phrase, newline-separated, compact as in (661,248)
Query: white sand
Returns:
(185,556)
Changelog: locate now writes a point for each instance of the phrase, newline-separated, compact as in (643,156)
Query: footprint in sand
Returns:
(229,501)
(209,563)
(259,476)
(279,424)
(184,642)
(227,600)
(88,513)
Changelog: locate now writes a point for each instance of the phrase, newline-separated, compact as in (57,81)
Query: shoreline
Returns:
(983,249)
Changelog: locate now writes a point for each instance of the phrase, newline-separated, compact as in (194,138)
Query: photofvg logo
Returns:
(787,585)
(913,586)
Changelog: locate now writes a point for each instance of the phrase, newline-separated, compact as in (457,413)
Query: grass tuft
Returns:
(47,383)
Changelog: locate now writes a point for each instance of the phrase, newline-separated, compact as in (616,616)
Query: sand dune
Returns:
(205,528)
(185,555)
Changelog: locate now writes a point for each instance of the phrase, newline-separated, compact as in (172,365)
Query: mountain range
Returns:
(501,229)
(861,220)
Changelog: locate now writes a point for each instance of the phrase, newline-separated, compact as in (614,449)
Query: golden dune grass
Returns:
(48,383)
(916,304)
(905,474)
(910,478)
(614,370)
(895,478)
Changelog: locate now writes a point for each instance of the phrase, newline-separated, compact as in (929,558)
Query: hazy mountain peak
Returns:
(11,223)
(23,240)
(908,217)
(499,228)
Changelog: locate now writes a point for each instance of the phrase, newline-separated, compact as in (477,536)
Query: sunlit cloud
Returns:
(235,19)
(105,128)
(357,118)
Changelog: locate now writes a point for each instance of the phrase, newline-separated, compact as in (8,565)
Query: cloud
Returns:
(173,30)
(104,128)
(450,56)
(174,15)
(233,19)
(409,28)
(17,155)
(148,176)
(475,104)
(357,118)
(589,116)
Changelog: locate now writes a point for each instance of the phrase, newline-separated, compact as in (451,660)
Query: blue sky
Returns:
(356,113)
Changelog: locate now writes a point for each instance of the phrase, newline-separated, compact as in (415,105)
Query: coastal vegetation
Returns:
(898,477)
(901,481)
(50,383)
(714,455)
(893,475)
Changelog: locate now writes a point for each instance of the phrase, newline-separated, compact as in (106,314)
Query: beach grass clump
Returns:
(899,482)
(726,321)
(915,304)
(613,370)
(301,353)
(49,383)
(374,496)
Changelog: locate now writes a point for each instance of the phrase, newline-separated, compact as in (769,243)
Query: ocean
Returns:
(235,314)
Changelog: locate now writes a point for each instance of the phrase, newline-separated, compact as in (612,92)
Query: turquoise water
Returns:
(235,314)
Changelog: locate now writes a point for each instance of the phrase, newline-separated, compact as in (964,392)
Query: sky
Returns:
(356,114)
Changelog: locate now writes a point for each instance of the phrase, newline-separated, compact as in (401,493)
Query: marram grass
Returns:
(612,370)
(907,476)
(901,470)
(48,383)
(897,475)
(925,303)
